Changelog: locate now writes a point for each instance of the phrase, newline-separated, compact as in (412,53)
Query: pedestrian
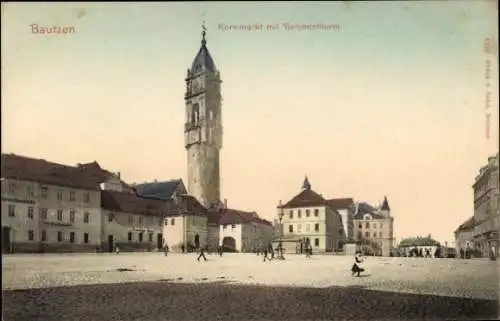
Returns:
(308,250)
(265,253)
(117,250)
(166,248)
(493,253)
(356,267)
(202,254)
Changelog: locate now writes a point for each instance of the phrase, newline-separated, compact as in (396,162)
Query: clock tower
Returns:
(203,127)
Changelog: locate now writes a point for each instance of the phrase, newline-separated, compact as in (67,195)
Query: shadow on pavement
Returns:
(215,301)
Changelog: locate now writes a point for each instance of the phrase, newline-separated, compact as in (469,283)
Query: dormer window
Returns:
(367,217)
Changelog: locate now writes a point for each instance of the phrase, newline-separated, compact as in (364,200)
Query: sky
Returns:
(391,103)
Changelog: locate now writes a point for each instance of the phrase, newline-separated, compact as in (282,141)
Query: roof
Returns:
(134,204)
(341,203)
(161,190)
(40,170)
(363,208)
(101,175)
(186,204)
(468,225)
(203,61)
(418,241)
(306,198)
(385,205)
(233,216)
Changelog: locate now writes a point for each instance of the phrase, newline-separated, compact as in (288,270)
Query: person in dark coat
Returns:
(202,254)
(356,267)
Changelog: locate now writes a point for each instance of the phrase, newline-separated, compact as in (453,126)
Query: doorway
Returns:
(159,241)
(6,244)
(111,244)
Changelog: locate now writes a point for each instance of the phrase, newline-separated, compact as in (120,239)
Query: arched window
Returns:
(195,116)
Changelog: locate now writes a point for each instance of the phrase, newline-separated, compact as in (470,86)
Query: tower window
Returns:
(195,116)
(211,115)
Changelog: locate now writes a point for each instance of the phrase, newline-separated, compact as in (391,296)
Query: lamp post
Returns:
(280,245)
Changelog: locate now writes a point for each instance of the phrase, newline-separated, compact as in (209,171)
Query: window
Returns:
(44,236)
(86,217)
(72,196)
(299,214)
(85,237)
(12,210)
(111,217)
(367,225)
(341,231)
(72,237)
(308,227)
(374,234)
(381,225)
(233,226)
(166,221)
(150,237)
(360,226)
(290,228)
(44,191)
(59,236)
(131,220)
(129,237)
(141,219)
(72,216)
(43,213)
(31,211)
(299,227)
(316,227)
(86,197)
(59,195)
(316,242)
(31,235)
(308,213)
(316,212)
(367,234)
(374,225)
(360,235)
(12,188)
(59,215)
(291,214)
(31,191)
(211,114)
(380,234)
(140,237)
(172,222)
(224,226)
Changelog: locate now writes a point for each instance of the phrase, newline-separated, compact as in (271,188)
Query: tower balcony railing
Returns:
(191,125)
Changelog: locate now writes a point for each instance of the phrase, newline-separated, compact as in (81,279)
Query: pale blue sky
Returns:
(391,104)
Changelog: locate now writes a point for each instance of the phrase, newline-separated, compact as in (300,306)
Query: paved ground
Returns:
(90,287)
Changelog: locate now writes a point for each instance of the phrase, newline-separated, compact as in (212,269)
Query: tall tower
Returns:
(203,128)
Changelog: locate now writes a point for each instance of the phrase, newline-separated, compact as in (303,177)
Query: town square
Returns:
(221,161)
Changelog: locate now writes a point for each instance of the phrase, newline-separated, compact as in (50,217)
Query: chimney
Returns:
(118,174)
(225,203)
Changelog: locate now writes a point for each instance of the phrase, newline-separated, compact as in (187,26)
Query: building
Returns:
(203,128)
(311,219)
(243,231)
(48,206)
(345,207)
(421,244)
(464,235)
(374,228)
(487,208)
(131,222)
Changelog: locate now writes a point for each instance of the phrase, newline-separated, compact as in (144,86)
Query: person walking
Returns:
(166,249)
(356,267)
(117,250)
(202,254)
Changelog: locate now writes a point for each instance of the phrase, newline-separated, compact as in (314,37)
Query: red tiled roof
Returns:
(134,204)
(233,216)
(187,204)
(39,170)
(307,197)
(341,203)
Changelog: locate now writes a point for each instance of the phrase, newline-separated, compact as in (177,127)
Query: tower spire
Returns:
(203,33)
(306,184)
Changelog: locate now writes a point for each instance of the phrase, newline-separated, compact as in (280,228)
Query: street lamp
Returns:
(280,245)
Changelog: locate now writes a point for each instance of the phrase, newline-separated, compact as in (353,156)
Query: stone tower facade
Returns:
(203,128)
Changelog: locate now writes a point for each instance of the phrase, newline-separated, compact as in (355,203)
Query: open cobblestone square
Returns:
(150,286)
